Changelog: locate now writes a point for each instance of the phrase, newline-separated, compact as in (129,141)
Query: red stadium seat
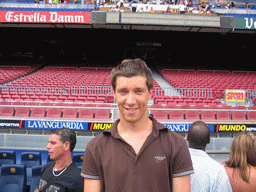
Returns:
(22,112)
(160,114)
(192,115)
(251,115)
(7,111)
(223,115)
(208,115)
(37,112)
(176,115)
(238,115)
(70,113)
(103,113)
(86,113)
(53,112)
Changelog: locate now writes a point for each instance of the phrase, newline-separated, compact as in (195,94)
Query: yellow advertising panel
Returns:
(237,95)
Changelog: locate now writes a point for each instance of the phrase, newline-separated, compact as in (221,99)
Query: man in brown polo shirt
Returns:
(137,154)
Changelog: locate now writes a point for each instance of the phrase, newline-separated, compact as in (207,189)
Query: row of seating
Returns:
(57,97)
(181,100)
(33,158)
(87,113)
(226,113)
(18,177)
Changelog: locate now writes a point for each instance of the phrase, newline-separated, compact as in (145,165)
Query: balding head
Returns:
(198,135)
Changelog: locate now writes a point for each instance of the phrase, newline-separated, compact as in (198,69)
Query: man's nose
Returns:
(131,98)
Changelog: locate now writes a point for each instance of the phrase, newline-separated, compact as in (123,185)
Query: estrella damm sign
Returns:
(235,127)
(100,126)
(235,95)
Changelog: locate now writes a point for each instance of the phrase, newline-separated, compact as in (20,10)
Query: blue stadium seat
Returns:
(13,178)
(36,174)
(30,159)
(7,157)
(78,158)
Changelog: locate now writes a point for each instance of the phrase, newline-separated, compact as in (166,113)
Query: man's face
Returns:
(55,147)
(132,97)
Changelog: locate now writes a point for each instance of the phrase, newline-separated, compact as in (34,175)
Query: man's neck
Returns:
(62,163)
(145,125)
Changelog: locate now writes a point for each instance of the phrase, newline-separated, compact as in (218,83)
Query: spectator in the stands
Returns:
(241,166)
(182,7)
(247,6)
(209,174)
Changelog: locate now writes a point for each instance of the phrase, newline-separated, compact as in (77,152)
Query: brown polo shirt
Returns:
(163,156)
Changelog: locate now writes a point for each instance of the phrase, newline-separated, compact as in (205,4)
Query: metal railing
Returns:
(28,89)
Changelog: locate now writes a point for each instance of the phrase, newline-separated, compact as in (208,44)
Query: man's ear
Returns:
(66,145)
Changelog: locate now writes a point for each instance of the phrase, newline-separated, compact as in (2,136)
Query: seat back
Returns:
(70,113)
(7,157)
(22,112)
(37,112)
(7,111)
(13,178)
(53,112)
(78,158)
(36,174)
(30,159)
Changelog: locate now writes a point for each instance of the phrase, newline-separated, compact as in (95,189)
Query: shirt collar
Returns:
(198,152)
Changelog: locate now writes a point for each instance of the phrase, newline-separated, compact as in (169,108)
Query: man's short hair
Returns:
(199,134)
(66,135)
(131,68)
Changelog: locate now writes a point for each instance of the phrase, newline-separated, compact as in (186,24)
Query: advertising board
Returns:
(234,127)
(183,127)
(44,17)
(38,124)
(245,23)
(237,96)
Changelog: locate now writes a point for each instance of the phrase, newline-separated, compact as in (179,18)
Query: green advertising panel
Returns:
(245,23)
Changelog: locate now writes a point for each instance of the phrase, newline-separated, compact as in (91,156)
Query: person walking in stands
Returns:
(210,176)
(61,175)
(137,153)
(241,165)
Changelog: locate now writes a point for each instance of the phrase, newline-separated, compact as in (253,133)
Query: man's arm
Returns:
(91,185)
(37,190)
(181,184)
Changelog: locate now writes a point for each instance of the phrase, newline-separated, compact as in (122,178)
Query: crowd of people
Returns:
(138,153)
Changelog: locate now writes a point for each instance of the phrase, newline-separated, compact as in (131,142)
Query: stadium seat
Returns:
(70,113)
(78,158)
(30,159)
(103,113)
(36,174)
(7,111)
(238,115)
(86,113)
(13,178)
(7,157)
(192,115)
(159,114)
(37,112)
(251,115)
(176,115)
(53,112)
(208,115)
(22,112)
(223,115)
